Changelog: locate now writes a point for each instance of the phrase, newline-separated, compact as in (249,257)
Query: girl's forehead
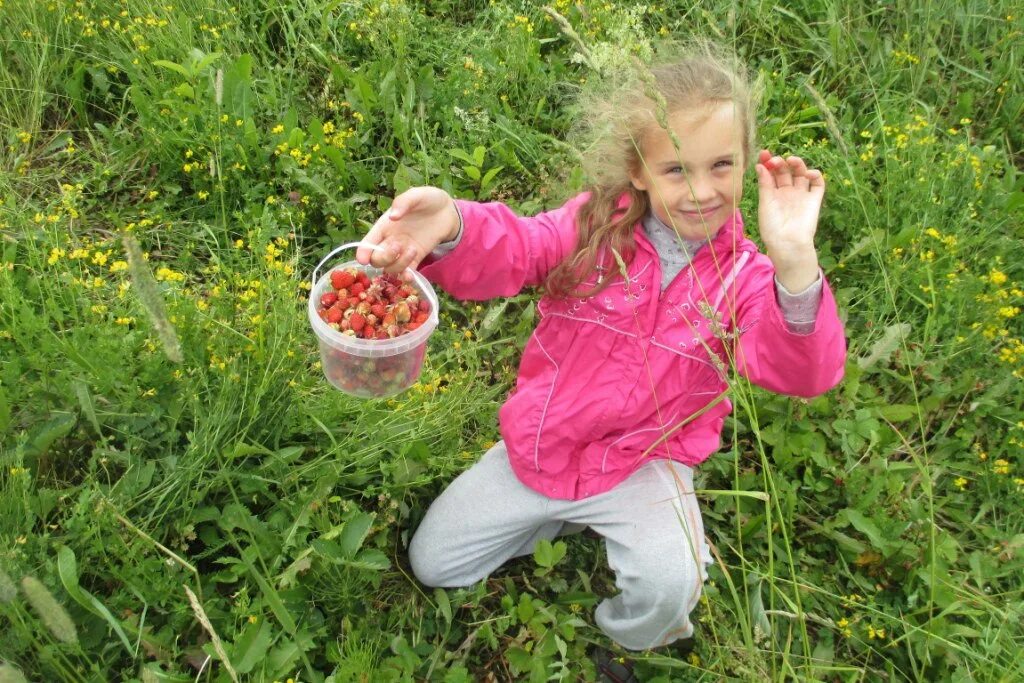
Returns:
(712,126)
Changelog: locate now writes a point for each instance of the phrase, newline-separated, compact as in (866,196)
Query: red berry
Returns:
(369,332)
(328,299)
(412,326)
(334,315)
(341,279)
(363,278)
(356,289)
(356,321)
(382,334)
(378,310)
(421,317)
(424,305)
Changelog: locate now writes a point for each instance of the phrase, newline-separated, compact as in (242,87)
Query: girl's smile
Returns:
(696,187)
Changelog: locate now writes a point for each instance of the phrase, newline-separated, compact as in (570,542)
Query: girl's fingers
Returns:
(815,178)
(799,169)
(765,180)
(365,255)
(781,170)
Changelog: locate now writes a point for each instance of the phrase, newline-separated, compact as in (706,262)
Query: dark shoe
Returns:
(613,669)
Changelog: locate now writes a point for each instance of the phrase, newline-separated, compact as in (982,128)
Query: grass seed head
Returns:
(51,612)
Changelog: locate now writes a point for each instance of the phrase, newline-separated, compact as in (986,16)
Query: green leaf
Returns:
(52,430)
(354,533)
(85,403)
(525,610)
(519,658)
(866,526)
(478,156)
(461,155)
(472,171)
(897,412)
(444,605)
(205,61)
(373,560)
(67,568)
(251,646)
(489,176)
(177,68)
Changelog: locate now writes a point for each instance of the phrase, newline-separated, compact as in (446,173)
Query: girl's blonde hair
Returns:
(616,116)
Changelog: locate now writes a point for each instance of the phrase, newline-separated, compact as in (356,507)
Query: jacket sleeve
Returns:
(500,253)
(772,356)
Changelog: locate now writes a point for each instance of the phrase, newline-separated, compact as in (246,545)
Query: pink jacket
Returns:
(604,378)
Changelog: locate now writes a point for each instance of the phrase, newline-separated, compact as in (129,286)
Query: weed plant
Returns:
(182,495)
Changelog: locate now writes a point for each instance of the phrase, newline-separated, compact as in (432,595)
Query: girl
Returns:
(651,289)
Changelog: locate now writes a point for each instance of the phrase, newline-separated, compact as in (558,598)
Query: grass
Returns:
(173,464)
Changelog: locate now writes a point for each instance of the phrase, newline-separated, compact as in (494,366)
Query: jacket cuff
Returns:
(800,310)
(447,247)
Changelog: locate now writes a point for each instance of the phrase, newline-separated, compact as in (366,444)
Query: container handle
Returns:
(368,245)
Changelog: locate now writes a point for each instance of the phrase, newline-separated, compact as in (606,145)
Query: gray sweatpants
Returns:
(651,524)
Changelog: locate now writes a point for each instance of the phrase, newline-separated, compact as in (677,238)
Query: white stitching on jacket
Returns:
(544,412)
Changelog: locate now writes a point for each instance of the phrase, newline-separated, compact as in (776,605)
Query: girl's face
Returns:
(696,187)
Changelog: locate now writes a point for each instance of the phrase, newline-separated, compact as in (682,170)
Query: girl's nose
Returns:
(699,191)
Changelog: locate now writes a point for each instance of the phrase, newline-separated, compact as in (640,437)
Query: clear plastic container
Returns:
(369,368)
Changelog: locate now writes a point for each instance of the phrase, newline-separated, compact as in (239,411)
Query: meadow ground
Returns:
(183,496)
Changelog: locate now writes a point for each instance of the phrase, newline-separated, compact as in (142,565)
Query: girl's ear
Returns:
(636,176)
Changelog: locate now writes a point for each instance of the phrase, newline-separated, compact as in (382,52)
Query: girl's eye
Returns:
(675,169)
(725,163)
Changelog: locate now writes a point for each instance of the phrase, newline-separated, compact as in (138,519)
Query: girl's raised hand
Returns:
(419,219)
(790,199)
(790,196)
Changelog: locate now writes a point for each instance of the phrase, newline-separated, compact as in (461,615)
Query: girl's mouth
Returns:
(703,213)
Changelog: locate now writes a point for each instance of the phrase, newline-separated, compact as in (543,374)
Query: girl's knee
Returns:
(427,561)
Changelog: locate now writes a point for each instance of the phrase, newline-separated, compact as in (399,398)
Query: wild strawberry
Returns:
(378,310)
(328,299)
(406,291)
(393,330)
(412,326)
(341,279)
(363,307)
(382,334)
(371,319)
(402,312)
(356,321)
(353,301)
(424,305)
(363,278)
(421,317)
(356,289)
(334,315)
(322,312)
(369,332)
(389,319)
